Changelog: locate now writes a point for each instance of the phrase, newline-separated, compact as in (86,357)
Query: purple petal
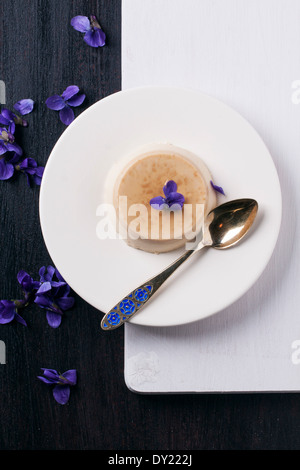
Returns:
(55,102)
(3,148)
(7,311)
(175,198)
(39,171)
(71,376)
(157,202)
(76,100)
(29,165)
(37,177)
(43,301)
(7,114)
(69,92)
(45,287)
(21,275)
(46,273)
(24,106)
(65,303)
(6,170)
(102,37)
(59,276)
(4,121)
(42,272)
(7,304)
(14,147)
(51,374)
(54,319)
(14,159)
(170,187)
(57,283)
(95,38)
(12,127)
(81,23)
(50,272)
(28,179)
(45,380)
(67,115)
(61,394)
(19,319)
(219,189)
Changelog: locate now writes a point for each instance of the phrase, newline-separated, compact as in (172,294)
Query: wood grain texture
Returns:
(41,55)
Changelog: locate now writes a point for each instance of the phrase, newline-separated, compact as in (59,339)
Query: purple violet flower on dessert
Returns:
(219,189)
(30,167)
(24,106)
(7,142)
(61,382)
(65,102)
(94,36)
(10,119)
(9,311)
(53,295)
(172,197)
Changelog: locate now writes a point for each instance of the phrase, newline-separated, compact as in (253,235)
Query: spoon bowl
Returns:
(224,226)
(229,222)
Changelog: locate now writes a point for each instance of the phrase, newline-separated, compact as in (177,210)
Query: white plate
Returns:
(103,271)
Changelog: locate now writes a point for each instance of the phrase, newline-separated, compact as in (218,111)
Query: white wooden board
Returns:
(246,53)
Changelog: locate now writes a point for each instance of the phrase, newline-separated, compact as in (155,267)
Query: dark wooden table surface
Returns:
(40,56)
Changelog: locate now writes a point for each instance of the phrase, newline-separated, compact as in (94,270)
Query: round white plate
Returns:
(104,271)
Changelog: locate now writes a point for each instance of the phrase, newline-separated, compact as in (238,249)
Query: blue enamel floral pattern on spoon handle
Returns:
(139,297)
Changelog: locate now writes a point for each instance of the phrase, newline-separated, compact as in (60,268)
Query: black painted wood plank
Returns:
(40,54)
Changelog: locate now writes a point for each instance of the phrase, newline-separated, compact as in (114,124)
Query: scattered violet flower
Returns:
(24,106)
(64,103)
(30,167)
(9,311)
(61,382)
(51,292)
(7,142)
(94,36)
(53,295)
(172,197)
(10,119)
(11,162)
(219,189)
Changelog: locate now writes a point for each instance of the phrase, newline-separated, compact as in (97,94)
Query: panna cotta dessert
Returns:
(160,194)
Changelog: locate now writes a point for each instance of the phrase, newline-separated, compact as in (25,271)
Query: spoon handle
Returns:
(134,301)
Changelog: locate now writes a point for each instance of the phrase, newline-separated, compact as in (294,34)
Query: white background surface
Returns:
(245,53)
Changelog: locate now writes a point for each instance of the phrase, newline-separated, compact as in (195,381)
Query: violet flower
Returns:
(30,167)
(219,189)
(10,119)
(7,142)
(53,295)
(24,106)
(61,382)
(9,163)
(9,311)
(172,197)
(94,36)
(64,103)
